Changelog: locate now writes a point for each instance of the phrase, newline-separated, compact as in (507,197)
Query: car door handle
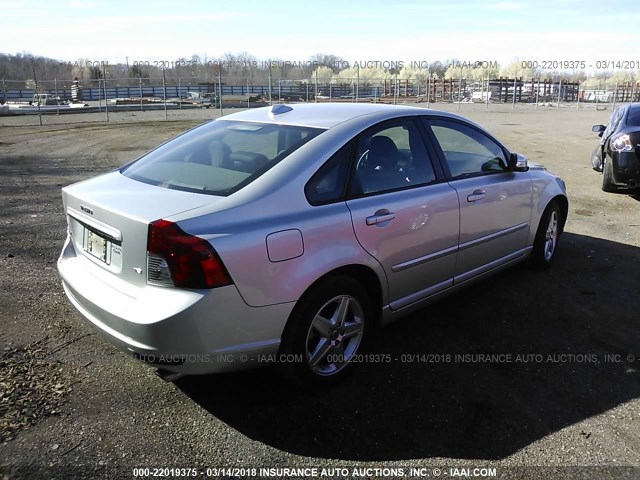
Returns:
(380,217)
(478,194)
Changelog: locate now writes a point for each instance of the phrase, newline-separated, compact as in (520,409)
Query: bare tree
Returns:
(334,62)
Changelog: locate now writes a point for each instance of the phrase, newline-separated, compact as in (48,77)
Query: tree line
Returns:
(243,68)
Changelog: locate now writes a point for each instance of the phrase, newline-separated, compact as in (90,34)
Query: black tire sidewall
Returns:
(607,176)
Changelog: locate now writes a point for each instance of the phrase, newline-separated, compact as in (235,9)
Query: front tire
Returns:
(325,332)
(547,237)
(607,177)
(596,159)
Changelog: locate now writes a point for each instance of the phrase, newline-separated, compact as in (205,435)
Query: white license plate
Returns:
(96,246)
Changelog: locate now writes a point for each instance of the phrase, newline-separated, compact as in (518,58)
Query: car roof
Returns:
(322,115)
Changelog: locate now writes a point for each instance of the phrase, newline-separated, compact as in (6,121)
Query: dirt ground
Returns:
(569,398)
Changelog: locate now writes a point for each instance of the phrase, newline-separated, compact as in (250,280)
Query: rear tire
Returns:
(607,177)
(547,237)
(325,332)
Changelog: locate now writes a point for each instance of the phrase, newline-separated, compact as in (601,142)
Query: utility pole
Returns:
(35,81)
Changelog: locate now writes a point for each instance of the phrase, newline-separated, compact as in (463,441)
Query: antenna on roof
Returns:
(278,109)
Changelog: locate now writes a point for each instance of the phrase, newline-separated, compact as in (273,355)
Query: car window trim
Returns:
(441,173)
(428,119)
(396,121)
(350,145)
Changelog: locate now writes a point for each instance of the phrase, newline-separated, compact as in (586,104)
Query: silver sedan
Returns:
(287,234)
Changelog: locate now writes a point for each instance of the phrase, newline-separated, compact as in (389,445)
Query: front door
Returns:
(495,203)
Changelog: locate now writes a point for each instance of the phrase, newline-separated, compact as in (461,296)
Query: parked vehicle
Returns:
(196,98)
(289,233)
(618,154)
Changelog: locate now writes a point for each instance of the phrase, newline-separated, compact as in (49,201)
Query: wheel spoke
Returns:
(551,232)
(320,352)
(322,325)
(352,329)
(551,236)
(554,221)
(550,247)
(342,311)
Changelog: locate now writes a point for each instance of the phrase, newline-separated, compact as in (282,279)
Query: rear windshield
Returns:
(220,157)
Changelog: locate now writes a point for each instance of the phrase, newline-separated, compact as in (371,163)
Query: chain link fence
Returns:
(110,95)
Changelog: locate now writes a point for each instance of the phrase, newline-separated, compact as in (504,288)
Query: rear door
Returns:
(403,214)
(495,203)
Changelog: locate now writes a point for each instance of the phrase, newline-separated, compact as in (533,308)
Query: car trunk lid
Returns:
(109,217)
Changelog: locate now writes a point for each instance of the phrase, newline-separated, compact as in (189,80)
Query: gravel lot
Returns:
(72,406)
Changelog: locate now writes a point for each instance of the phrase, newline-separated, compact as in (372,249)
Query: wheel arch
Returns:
(563,203)
(546,189)
(362,274)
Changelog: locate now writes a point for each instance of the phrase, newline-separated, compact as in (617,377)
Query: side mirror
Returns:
(518,163)
(599,129)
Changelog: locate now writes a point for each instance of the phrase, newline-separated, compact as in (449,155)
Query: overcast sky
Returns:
(368,30)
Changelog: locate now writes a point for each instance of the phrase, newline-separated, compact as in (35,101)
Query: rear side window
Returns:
(387,157)
(390,156)
(220,157)
(329,183)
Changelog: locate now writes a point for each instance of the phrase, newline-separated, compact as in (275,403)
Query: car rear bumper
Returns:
(182,331)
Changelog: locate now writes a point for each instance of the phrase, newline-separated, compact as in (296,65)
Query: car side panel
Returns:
(495,226)
(417,247)
(545,188)
(328,243)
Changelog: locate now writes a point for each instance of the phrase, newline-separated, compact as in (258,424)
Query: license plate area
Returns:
(97,246)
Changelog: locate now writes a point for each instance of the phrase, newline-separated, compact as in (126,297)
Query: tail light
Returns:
(178,259)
